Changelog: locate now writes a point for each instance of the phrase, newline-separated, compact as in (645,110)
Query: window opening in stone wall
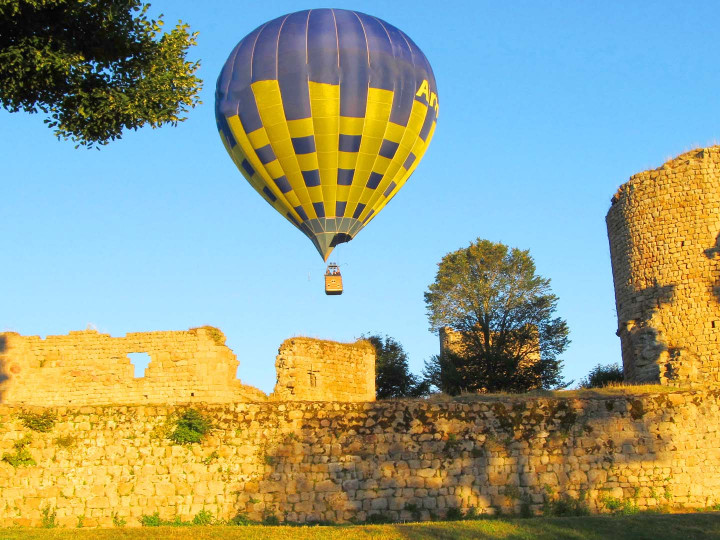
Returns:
(140,362)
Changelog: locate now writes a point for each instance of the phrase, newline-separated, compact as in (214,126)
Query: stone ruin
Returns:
(316,370)
(307,453)
(90,368)
(664,232)
(453,342)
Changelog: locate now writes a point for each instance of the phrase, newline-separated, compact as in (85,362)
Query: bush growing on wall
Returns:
(190,428)
(42,422)
(215,334)
(22,456)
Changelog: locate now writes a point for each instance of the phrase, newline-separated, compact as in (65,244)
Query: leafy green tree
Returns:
(601,375)
(392,373)
(503,311)
(94,67)
(446,373)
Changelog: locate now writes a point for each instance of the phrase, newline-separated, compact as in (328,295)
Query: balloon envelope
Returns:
(326,112)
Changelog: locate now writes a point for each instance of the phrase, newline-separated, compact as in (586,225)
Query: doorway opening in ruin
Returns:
(140,362)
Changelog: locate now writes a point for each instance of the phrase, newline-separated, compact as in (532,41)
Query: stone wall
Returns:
(450,341)
(405,460)
(664,231)
(317,370)
(87,368)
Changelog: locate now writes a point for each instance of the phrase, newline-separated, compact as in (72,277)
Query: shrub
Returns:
(66,441)
(564,506)
(240,519)
(190,428)
(203,517)
(48,519)
(214,333)
(625,507)
(151,521)
(568,506)
(471,513)
(118,521)
(212,457)
(414,509)
(22,456)
(42,422)
(453,514)
(601,376)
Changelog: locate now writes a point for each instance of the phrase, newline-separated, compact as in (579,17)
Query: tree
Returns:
(94,67)
(503,312)
(392,374)
(601,376)
(445,373)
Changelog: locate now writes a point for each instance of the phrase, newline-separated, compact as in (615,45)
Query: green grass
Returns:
(636,527)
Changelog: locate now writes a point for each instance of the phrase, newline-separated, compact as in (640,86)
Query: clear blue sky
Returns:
(545,109)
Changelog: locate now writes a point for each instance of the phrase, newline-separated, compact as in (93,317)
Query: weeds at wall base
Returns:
(625,507)
(118,521)
(205,518)
(201,519)
(49,518)
(565,505)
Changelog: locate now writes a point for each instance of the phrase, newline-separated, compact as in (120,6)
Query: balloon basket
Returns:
(333,280)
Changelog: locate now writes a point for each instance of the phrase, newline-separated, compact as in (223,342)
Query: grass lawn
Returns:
(636,527)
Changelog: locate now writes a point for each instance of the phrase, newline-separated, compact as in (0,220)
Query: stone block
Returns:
(98,502)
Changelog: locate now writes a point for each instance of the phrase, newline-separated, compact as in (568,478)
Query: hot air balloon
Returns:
(326,112)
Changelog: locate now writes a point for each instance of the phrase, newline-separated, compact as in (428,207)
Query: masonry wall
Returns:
(89,368)
(405,460)
(664,232)
(317,370)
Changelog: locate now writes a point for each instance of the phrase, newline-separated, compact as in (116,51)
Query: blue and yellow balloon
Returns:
(326,112)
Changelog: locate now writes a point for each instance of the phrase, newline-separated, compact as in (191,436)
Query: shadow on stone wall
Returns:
(3,373)
(510,457)
(386,461)
(641,348)
(714,253)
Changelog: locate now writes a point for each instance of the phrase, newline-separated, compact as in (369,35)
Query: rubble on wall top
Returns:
(684,159)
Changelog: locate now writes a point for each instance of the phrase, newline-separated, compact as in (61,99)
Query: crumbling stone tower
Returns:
(317,370)
(664,232)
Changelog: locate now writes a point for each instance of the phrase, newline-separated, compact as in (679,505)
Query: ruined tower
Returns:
(664,232)
(311,369)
